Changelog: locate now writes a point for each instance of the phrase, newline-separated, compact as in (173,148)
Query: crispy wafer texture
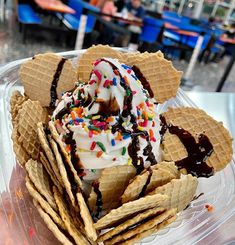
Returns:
(135,187)
(130,208)
(180,192)
(29,115)
(68,220)
(44,204)
(66,156)
(148,180)
(52,226)
(62,170)
(147,233)
(41,181)
(47,150)
(145,226)
(168,166)
(164,79)
(197,122)
(112,183)
(85,63)
(49,170)
(16,101)
(38,74)
(21,155)
(130,222)
(86,217)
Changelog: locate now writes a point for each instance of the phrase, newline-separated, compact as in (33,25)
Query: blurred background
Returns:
(197,35)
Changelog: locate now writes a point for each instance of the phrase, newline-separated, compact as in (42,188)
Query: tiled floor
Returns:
(204,77)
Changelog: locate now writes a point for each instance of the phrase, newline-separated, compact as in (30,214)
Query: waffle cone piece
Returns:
(43,203)
(21,155)
(29,115)
(48,153)
(168,166)
(141,228)
(197,123)
(58,233)
(147,181)
(130,222)
(16,101)
(39,177)
(180,192)
(112,183)
(38,74)
(85,63)
(68,220)
(163,78)
(128,209)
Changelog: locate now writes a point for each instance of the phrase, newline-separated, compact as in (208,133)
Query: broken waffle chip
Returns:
(112,183)
(168,166)
(43,203)
(48,152)
(142,227)
(146,182)
(49,170)
(62,170)
(41,181)
(201,127)
(130,222)
(85,63)
(29,115)
(86,217)
(127,209)
(46,76)
(21,155)
(180,192)
(16,101)
(68,220)
(146,233)
(58,233)
(66,157)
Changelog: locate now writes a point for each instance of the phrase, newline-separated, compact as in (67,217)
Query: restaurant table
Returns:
(54,5)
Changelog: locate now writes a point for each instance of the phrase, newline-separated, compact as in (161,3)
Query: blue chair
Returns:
(27,17)
(151,29)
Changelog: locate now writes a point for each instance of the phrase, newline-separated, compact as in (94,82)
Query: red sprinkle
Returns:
(116,72)
(96,62)
(98,74)
(153,124)
(92,81)
(106,83)
(93,144)
(134,92)
(90,133)
(129,71)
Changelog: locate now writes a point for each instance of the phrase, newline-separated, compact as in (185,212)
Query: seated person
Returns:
(135,10)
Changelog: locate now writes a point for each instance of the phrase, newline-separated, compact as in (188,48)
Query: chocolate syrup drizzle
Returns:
(99,201)
(143,191)
(198,153)
(143,80)
(54,83)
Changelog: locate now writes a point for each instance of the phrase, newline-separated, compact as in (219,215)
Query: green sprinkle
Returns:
(93,170)
(123,151)
(102,147)
(128,92)
(91,127)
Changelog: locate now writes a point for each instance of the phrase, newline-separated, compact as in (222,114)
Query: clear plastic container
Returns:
(21,224)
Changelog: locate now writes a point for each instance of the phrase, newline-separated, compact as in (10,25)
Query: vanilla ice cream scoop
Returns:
(110,121)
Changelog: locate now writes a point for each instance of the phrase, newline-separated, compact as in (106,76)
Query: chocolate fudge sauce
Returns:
(197,152)
(143,191)
(54,83)
(99,201)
